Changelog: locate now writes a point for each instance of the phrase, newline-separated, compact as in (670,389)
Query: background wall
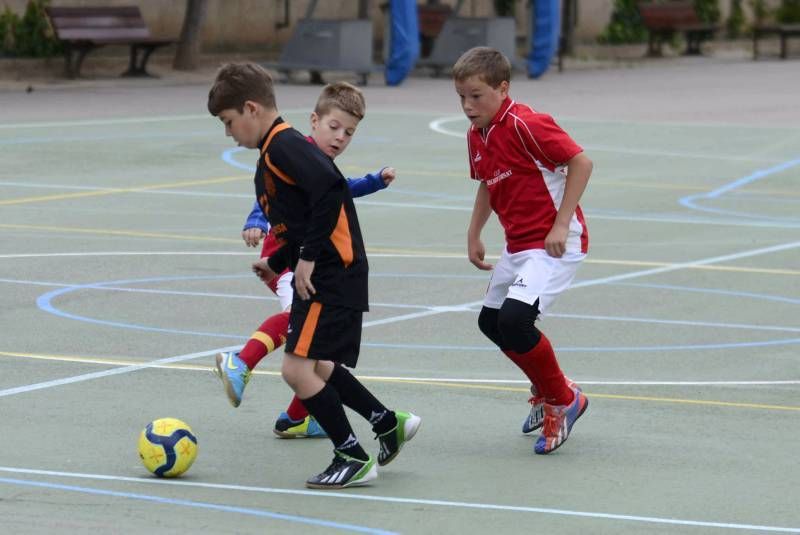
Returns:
(249,24)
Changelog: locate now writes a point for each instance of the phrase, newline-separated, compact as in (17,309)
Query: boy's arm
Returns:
(578,172)
(480,215)
(371,182)
(255,227)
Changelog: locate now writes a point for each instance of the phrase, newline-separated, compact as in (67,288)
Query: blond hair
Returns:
(343,96)
(237,83)
(488,64)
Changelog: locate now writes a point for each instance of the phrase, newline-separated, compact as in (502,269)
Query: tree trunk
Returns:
(189,45)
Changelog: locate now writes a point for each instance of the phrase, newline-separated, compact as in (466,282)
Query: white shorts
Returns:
(284,290)
(530,275)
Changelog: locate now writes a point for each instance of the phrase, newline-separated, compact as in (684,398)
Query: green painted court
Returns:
(122,274)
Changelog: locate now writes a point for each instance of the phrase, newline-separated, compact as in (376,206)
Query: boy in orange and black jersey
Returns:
(308,202)
(328,235)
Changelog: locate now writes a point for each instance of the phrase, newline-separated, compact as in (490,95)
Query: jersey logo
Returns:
(520,283)
(477,157)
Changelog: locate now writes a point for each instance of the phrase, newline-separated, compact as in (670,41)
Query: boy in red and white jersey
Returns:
(532,175)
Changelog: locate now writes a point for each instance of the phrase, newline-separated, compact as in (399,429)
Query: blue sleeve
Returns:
(256,219)
(369,183)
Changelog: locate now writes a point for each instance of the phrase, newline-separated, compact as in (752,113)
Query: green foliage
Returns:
(707,10)
(8,21)
(789,12)
(760,10)
(29,35)
(625,25)
(32,35)
(504,8)
(735,23)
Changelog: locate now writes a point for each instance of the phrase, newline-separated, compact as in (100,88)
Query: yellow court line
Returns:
(596,395)
(113,191)
(196,367)
(631,263)
(130,233)
(639,263)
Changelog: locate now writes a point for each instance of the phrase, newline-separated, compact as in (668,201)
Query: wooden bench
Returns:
(784,31)
(83,29)
(663,20)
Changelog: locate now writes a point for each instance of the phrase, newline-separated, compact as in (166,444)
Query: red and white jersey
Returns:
(521,157)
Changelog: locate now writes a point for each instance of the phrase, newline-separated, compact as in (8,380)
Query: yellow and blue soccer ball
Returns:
(167,447)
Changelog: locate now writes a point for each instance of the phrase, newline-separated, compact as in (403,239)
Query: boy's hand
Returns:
(388,175)
(302,279)
(476,253)
(252,236)
(263,271)
(555,243)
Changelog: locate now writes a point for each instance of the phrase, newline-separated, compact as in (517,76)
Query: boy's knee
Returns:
(516,325)
(487,323)
(292,370)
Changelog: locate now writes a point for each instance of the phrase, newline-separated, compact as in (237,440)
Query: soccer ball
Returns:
(167,447)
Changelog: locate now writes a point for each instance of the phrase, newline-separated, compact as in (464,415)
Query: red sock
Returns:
(296,410)
(541,367)
(268,337)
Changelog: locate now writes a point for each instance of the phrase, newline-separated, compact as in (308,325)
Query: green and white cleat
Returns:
(344,471)
(392,441)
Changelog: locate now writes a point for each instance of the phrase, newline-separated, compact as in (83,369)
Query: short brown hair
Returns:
(488,64)
(343,96)
(237,83)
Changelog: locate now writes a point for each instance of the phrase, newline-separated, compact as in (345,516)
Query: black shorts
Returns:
(324,332)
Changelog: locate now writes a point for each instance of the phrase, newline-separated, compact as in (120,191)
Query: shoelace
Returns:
(552,422)
(335,464)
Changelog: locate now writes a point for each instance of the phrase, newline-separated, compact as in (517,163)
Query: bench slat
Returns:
(125,11)
(60,23)
(91,34)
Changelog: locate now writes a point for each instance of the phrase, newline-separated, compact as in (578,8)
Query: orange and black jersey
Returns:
(311,212)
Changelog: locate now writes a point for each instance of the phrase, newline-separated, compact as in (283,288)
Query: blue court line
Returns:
(227,157)
(200,505)
(44,302)
(689,201)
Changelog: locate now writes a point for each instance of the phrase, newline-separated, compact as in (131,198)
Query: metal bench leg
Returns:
(654,46)
(784,50)
(316,78)
(137,66)
(73,59)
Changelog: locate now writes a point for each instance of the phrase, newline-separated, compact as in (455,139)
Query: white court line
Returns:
(438,310)
(683,265)
(108,373)
(408,501)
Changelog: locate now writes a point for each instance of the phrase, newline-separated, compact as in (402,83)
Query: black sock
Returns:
(357,397)
(326,407)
